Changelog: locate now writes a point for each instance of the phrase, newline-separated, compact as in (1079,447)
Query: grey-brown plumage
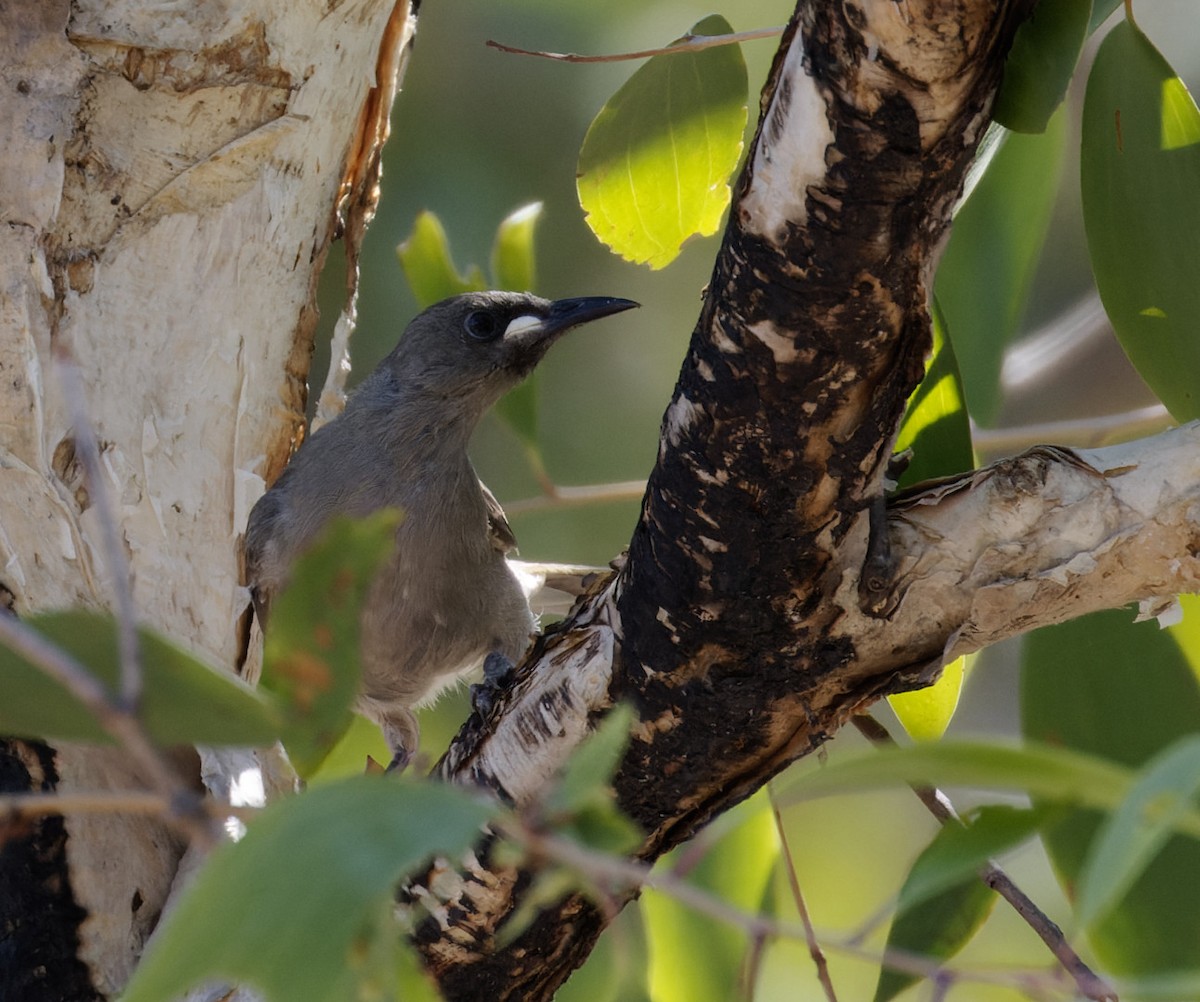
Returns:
(446,599)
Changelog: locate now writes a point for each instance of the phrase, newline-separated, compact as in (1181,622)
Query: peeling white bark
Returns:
(167,183)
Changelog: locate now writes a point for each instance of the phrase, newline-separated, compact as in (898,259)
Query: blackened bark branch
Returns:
(728,627)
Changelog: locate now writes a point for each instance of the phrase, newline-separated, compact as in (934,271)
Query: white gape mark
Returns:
(791,150)
(524,322)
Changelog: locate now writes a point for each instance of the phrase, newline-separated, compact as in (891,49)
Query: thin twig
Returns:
(187,810)
(87,450)
(607,870)
(1086,433)
(688,43)
(34,805)
(569,497)
(1090,985)
(810,935)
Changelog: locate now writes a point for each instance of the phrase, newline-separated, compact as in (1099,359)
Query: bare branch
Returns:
(688,43)
(88,452)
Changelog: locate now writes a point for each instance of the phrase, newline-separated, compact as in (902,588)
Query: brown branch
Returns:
(939,805)
(810,935)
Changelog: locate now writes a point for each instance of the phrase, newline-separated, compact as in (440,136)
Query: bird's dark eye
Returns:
(482,325)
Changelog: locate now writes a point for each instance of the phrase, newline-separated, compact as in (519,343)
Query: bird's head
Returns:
(475,347)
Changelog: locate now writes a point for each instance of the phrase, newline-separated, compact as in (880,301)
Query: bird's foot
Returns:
(496,671)
(402,735)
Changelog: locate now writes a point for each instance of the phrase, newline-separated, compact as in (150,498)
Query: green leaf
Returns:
(937,927)
(589,771)
(1103,685)
(985,276)
(958,852)
(311,649)
(427,264)
(655,164)
(1053,774)
(302,907)
(1101,9)
(936,425)
(583,797)
(1040,64)
(926,713)
(512,250)
(1140,181)
(737,869)
(1134,835)
(183,701)
(938,431)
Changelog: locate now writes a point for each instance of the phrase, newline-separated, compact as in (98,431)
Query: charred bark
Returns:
(729,626)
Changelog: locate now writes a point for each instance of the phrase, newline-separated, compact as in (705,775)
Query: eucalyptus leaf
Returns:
(937,429)
(311,649)
(1041,63)
(655,163)
(427,264)
(937,928)
(302,907)
(184,700)
(1103,685)
(1140,182)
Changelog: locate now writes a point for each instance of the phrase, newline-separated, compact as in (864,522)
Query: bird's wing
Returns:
(499,531)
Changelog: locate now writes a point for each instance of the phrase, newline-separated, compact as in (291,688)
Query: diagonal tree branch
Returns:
(738,627)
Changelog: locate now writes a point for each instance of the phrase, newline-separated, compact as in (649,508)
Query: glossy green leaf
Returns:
(1140,182)
(937,927)
(1104,685)
(655,164)
(1053,774)
(985,276)
(184,700)
(427,264)
(1041,63)
(737,869)
(301,908)
(1134,835)
(311,649)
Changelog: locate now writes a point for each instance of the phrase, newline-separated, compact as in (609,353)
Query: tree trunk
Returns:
(170,184)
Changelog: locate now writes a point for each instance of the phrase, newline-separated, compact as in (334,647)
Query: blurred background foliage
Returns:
(478,133)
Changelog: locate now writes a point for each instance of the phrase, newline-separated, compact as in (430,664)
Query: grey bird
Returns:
(447,600)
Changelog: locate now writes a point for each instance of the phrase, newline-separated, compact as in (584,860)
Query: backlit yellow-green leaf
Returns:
(937,430)
(655,164)
(428,266)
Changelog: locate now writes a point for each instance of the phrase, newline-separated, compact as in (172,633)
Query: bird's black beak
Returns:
(529,336)
(567,313)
